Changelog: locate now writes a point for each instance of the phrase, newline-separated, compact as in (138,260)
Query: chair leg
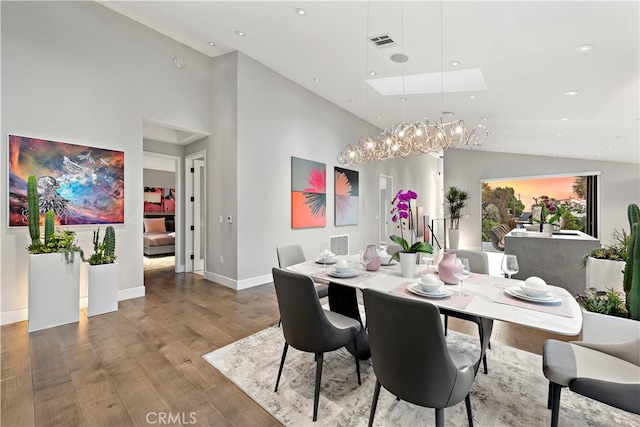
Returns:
(316,395)
(439,417)
(284,354)
(446,324)
(484,356)
(550,396)
(467,402)
(355,342)
(374,403)
(555,404)
(484,363)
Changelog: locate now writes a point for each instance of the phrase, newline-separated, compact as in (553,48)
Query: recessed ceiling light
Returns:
(315,79)
(571,92)
(584,48)
(559,135)
(472,97)
(178,62)
(212,44)
(483,118)
(492,133)
(454,63)
(240,33)
(403,99)
(554,154)
(372,73)
(610,147)
(300,12)
(621,137)
(564,119)
(447,113)
(351,101)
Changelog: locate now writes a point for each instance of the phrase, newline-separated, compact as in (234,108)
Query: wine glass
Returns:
(324,252)
(509,265)
(461,272)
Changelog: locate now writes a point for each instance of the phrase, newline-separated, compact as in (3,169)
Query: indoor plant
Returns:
(605,265)
(102,274)
(550,213)
(54,276)
(402,214)
(456,201)
(616,323)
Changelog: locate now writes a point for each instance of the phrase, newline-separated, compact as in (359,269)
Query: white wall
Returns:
(80,73)
(619,184)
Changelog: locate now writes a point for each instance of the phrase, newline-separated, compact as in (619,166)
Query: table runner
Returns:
(561,309)
(454,301)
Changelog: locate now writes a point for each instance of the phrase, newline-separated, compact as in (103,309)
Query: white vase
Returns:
(454,238)
(547,228)
(407,264)
(102,281)
(602,328)
(604,274)
(54,291)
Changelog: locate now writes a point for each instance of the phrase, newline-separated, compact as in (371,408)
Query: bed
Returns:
(159,237)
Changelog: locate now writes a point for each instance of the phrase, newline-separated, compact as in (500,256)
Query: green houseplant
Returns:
(456,200)
(102,274)
(103,252)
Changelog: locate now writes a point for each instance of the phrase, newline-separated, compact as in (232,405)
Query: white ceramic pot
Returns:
(407,264)
(102,283)
(547,228)
(454,238)
(604,274)
(602,328)
(54,291)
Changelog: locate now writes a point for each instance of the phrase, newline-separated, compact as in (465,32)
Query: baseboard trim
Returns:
(130,293)
(238,285)
(14,316)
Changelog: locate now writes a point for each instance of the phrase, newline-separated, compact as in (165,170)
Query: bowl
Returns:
(535,287)
(342,266)
(430,283)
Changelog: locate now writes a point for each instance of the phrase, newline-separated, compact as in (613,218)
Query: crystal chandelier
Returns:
(404,140)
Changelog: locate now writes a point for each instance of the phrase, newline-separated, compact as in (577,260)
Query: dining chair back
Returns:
(307,326)
(410,356)
(293,254)
(478,260)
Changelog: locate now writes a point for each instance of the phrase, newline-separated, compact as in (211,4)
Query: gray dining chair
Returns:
(478,263)
(307,326)
(410,356)
(293,254)
(606,372)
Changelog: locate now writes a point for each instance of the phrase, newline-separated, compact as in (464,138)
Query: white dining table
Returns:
(487,297)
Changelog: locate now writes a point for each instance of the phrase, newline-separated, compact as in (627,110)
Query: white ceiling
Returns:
(526,51)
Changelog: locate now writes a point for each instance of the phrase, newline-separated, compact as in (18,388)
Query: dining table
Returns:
(487,297)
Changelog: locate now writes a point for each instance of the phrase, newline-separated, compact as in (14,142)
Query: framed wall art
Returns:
(308,193)
(79,183)
(346,196)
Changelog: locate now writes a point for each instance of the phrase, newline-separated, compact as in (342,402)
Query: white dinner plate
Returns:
(516,291)
(328,261)
(386,264)
(343,275)
(415,288)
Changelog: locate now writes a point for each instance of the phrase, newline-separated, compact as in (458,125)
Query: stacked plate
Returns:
(343,274)
(518,292)
(415,288)
(326,261)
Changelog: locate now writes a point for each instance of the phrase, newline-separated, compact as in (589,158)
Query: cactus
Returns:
(48,226)
(33,212)
(103,252)
(110,243)
(632,269)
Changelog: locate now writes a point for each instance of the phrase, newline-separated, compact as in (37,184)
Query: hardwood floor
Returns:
(142,364)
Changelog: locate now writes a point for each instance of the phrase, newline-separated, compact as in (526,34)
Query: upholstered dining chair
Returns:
(293,254)
(410,356)
(307,326)
(478,263)
(608,373)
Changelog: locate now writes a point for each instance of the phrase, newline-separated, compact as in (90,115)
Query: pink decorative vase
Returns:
(374,264)
(445,268)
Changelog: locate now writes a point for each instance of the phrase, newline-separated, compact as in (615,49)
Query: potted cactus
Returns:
(54,276)
(607,316)
(102,274)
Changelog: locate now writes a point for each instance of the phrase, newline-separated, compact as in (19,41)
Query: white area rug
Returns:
(514,393)
(151,263)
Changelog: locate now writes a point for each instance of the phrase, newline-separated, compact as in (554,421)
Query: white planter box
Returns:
(608,329)
(102,288)
(54,291)
(603,274)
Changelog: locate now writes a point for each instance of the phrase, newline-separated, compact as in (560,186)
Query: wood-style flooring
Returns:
(142,364)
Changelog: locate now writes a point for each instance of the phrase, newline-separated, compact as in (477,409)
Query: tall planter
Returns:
(454,238)
(102,288)
(603,274)
(408,264)
(54,291)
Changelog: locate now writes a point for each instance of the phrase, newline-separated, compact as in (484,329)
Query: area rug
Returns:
(514,393)
(159,261)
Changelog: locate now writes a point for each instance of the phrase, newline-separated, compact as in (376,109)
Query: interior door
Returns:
(199,227)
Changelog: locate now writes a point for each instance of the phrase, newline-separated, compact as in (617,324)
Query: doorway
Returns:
(196,228)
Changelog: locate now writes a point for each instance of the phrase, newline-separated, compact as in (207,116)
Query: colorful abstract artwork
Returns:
(308,193)
(80,184)
(346,196)
(157,199)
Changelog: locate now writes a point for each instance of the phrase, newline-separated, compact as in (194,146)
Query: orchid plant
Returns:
(401,214)
(549,207)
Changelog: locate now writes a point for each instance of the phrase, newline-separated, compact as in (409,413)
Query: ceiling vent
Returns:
(382,40)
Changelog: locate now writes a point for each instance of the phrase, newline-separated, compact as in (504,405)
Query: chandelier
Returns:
(404,140)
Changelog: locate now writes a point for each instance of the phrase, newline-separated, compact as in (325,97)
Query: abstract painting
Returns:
(346,196)
(80,184)
(308,193)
